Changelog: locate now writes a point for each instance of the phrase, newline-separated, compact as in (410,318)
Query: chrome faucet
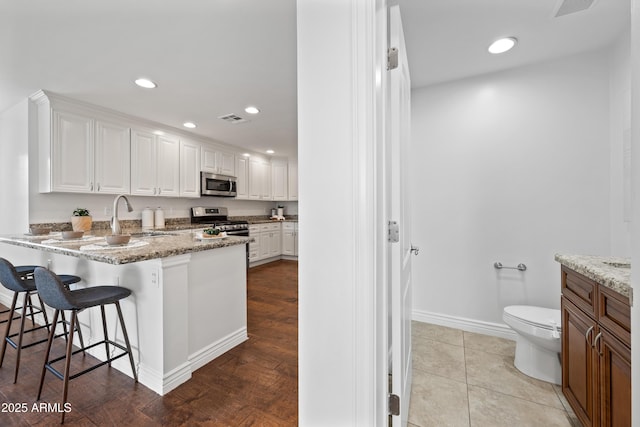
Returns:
(115,224)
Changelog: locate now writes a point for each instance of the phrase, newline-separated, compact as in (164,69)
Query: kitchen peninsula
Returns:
(188,304)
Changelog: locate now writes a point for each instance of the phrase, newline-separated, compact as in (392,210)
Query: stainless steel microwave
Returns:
(212,184)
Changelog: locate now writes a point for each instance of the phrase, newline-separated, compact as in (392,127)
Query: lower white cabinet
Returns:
(273,240)
(290,238)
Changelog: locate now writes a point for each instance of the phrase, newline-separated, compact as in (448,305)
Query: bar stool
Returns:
(57,296)
(24,284)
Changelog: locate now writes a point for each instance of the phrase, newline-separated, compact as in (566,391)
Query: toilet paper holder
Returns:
(498,266)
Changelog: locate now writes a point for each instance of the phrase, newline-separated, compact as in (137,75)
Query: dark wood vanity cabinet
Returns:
(596,351)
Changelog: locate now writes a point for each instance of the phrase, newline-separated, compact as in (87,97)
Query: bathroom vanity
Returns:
(596,338)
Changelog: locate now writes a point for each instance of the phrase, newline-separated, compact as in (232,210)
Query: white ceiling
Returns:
(215,57)
(209,58)
(448,39)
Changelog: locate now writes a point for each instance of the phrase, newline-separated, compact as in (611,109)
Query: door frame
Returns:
(342,289)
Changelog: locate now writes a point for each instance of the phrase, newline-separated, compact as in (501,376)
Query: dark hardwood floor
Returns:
(256,383)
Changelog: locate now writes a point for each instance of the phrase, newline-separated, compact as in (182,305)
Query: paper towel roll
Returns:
(159,218)
(147,218)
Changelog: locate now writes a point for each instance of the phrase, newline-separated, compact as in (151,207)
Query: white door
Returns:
(397,156)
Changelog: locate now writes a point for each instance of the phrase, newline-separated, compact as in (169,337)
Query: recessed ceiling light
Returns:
(189,125)
(252,110)
(146,83)
(246,154)
(502,45)
(270,151)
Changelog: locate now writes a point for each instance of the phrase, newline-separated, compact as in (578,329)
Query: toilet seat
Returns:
(538,317)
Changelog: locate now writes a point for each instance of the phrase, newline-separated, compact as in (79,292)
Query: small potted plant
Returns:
(81,220)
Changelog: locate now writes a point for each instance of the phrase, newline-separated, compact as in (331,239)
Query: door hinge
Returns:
(393,234)
(394,404)
(392,58)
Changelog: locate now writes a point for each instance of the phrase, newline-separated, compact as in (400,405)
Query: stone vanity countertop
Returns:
(611,272)
(143,245)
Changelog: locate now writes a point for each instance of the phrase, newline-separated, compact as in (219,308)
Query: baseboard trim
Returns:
(470,325)
(205,355)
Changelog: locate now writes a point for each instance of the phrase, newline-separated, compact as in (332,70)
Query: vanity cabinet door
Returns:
(615,381)
(579,363)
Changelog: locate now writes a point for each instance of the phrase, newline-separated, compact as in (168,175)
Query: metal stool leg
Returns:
(21,334)
(67,362)
(52,334)
(8,328)
(33,319)
(126,340)
(44,313)
(106,336)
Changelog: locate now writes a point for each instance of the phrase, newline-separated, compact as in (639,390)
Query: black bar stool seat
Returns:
(20,281)
(57,296)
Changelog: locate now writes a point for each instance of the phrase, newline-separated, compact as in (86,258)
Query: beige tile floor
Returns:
(466,379)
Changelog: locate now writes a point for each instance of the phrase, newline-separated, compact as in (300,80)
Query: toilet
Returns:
(538,342)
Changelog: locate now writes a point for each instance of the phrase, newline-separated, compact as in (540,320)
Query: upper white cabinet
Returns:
(259,179)
(189,169)
(293,180)
(112,158)
(242,177)
(84,148)
(81,154)
(71,148)
(155,164)
(279,182)
(218,161)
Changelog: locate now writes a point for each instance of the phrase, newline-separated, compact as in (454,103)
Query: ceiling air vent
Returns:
(232,118)
(567,7)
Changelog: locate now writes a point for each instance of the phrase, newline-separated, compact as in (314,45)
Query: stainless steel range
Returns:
(218,217)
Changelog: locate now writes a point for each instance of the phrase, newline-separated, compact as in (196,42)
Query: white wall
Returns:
(57,207)
(14,170)
(620,140)
(511,167)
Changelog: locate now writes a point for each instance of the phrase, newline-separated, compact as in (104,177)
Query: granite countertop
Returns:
(264,219)
(611,272)
(268,221)
(143,245)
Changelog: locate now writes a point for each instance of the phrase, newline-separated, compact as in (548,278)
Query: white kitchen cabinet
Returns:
(86,155)
(72,146)
(279,182)
(254,247)
(155,164)
(259,179)
(242,177)
(268,241)
(290,238)
(293,180)
(112,158)
(274,238)
(218,161)
(189,169)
